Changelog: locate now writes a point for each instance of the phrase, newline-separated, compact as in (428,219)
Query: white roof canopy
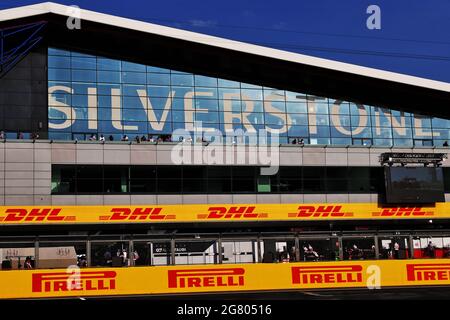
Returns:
(49,7)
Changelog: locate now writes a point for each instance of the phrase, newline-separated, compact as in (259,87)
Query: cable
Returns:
(357,52)
(190,23)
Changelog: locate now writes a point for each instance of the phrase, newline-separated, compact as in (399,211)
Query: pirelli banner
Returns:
(223,278)
(214,213)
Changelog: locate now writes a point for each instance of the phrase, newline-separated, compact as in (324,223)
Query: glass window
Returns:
(295,96)
(203,81)
(108,76)
(63,179)
(359,248)
(316,105)
(134,77)
(296,107)
(84,63)
(182,80)
(58,52)
(196,252)
(441,123)
(133,67)
(60,62)
(18,255)
(251,94)
(319,249)
(222,83)
(206,93)
(110,254)
(157,69)
(59,74)
(84,75)
(209,104)
(429,247)
(229,94)
(238,251)
(79,54)
(61,255)
(393,247)
(108,64)
(152,253)
(158,79)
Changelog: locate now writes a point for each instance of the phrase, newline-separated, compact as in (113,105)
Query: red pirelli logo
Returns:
(232,213)
(84,281)
(402,212)
(428,272)
(327,274)
(36,214)
(200,278)
(127,214)
(319,212)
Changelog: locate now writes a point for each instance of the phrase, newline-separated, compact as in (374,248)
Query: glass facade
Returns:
(95,95)
(164,179)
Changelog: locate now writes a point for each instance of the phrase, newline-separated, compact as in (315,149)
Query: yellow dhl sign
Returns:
(222,278)
(214,213)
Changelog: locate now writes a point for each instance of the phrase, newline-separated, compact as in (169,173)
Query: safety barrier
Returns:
(222,278)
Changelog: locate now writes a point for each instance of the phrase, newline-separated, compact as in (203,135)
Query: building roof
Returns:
(50,7)
(287,69)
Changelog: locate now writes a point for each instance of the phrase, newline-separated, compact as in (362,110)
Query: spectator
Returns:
(102,138)
(111,138)
(138,139)
(125,137)
(310,254)
(34,136)
(108,258)
(445,143)
(93,137)
(27,264)
(396,251)
(20,135)
(2,135)
(152,139)
(294,141)
(144,138)
(356,253)
(301,142)
(430,250)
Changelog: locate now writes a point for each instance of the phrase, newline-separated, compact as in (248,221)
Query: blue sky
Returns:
(414,37)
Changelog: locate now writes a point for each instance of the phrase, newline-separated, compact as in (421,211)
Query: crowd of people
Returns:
(20,135)
(144,138)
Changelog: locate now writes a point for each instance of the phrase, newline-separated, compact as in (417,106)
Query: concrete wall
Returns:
(25,171)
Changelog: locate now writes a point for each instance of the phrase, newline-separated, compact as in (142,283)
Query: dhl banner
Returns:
(214,213)
(222,278)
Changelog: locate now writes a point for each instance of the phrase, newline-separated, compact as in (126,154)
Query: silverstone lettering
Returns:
(158,115)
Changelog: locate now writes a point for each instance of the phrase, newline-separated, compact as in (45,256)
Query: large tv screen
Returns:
(413,185)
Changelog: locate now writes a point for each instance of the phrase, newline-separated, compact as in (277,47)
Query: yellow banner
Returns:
(215,213)
(222,278)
